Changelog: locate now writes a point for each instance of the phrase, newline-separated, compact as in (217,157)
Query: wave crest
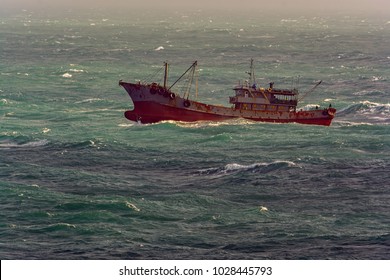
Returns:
(366,110)
(7,144)
(233,168)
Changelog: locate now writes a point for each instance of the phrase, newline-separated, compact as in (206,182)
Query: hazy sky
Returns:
(369,6)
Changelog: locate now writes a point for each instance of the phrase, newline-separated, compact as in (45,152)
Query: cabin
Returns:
(255,98)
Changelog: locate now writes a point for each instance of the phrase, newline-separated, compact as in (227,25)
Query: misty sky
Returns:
(361,6)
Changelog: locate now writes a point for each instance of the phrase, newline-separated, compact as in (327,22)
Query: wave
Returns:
(351,124)
(233,168)
(83,144)
(7,144)
(370,111)
(58,227)
(89,100)
(374,93)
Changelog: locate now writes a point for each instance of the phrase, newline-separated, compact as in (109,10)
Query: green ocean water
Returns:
(79,181)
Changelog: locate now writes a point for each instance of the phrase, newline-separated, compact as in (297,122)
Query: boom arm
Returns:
(310,91)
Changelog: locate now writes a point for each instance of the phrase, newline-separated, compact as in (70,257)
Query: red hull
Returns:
(151,107)
(151,112)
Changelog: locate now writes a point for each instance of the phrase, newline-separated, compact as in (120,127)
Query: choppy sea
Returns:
(79,181)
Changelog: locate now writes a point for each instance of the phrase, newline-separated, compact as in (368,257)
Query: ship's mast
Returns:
(166,69)
(251,73)
(196,81)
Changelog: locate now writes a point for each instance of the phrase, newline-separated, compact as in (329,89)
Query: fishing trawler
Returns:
(154,102)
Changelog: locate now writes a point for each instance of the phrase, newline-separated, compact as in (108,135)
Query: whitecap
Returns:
(376,112)
(66,225)
(89,100)
(309,107)
(38,143)
(232,168)
(33,144)
(67,75)
(376,78)
(132,206)
(289,20)
(160,48)
(263,209)
(127,124)
(77,70)
(350,123)
(368,93)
